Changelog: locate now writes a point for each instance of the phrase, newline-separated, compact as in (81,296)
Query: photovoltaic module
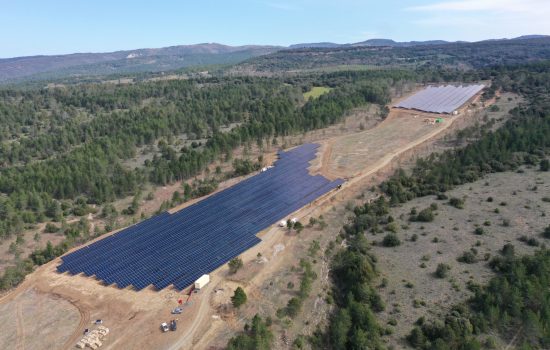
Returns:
(176,249)
(440,99)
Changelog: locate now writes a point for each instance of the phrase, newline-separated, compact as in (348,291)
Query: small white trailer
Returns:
(202,281)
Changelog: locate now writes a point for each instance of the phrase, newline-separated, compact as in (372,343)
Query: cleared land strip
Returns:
(363,154)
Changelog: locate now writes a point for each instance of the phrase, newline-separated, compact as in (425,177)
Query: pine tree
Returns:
(239,298)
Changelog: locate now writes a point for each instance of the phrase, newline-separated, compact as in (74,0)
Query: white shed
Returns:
(202,281)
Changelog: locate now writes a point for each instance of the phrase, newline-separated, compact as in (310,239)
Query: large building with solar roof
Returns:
(176,249)
(441,99)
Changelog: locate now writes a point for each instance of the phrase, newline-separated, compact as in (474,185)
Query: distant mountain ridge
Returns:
(127,61)
(393,43)
(171,58)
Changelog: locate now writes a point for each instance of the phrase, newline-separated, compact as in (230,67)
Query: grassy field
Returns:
(315,92)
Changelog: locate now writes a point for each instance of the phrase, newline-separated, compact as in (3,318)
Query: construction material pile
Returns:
(93,339)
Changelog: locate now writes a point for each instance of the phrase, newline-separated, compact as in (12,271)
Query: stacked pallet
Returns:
(93,339)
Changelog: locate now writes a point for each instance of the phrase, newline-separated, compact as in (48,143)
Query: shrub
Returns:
(479,231)
(468,257)
(392,227)
(508,250)
(457,203)
(51,228)
(544,165)
(391,240)
(425,215)
(293,307)
(414,237)
(546,233)
(531,241)
(442,270)
(490,343)
(255,336)
(235,264)
(239,297)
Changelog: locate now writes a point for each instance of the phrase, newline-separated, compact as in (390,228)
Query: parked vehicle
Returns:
(177,311)
(164,327)
(173,325)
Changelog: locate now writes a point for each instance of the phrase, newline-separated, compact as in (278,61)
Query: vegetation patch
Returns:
(316,92)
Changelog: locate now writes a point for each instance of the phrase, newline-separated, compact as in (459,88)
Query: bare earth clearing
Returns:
(209,321)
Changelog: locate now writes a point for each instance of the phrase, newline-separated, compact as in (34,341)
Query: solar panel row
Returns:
(176,249)
(440,99)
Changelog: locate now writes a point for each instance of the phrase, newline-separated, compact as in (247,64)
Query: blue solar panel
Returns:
(440,99)
(176,249)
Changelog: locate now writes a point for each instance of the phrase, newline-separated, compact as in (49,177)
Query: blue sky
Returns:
(31,27)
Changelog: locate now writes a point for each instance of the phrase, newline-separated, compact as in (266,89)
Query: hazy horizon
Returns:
(38,28)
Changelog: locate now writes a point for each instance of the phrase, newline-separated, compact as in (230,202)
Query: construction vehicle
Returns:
(164,327)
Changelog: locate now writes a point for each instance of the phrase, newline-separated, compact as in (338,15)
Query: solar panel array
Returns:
(176,249)
(441,99)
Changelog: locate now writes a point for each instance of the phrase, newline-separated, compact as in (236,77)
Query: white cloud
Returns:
(282,6)
(481,19)
(512,6)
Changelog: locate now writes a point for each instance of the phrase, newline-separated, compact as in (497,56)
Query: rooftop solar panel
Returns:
(441,99)
(176,249)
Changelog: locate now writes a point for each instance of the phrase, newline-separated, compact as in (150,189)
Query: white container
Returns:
(202,281)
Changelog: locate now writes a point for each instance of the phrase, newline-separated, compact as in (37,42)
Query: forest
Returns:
(471,55)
